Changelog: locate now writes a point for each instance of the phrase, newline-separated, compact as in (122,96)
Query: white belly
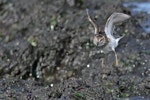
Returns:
(110,46)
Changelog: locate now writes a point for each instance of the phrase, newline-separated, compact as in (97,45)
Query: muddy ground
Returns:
(46,52)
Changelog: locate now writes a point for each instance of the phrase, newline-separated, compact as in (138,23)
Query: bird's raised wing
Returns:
(113,19)
(96,28)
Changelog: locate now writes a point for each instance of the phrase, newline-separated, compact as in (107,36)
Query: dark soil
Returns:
(46,52)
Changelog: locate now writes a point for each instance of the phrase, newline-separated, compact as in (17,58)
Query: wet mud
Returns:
(46,52)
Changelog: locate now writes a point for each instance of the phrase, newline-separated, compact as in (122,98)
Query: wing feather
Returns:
(112,20)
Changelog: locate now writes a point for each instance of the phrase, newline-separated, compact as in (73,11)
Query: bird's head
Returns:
(99,40)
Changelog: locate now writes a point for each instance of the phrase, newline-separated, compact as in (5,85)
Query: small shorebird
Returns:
(105,39)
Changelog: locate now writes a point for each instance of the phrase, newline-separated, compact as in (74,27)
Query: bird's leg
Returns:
(102,62)
(116,59)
